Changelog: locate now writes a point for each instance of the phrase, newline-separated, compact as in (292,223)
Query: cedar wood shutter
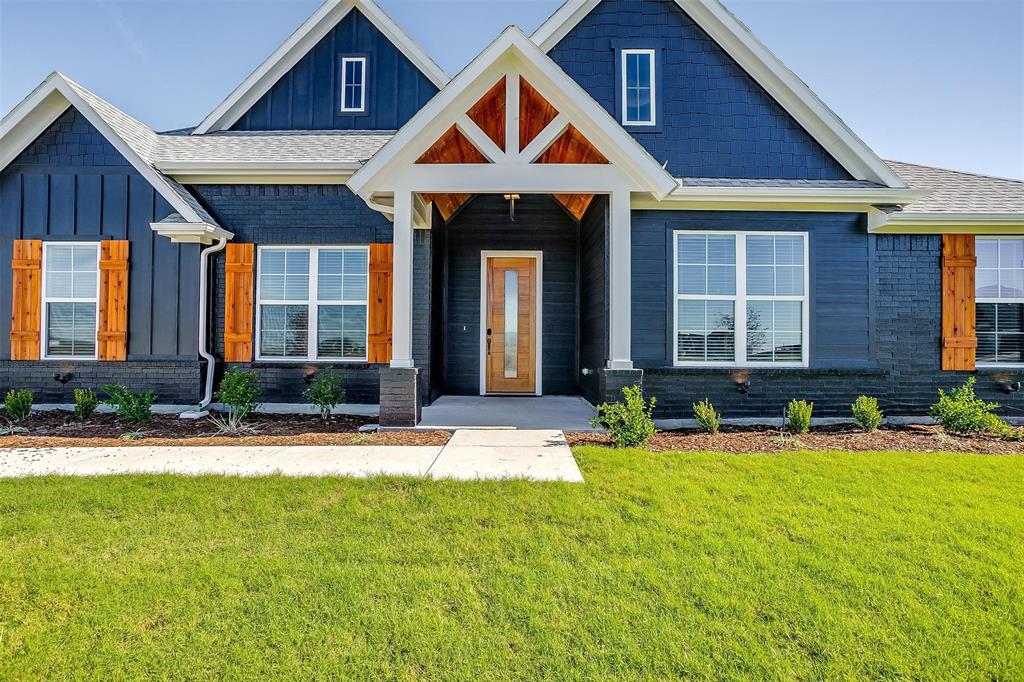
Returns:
(112,321)
(26,301)
(238,302)
(379,313)
(959,340)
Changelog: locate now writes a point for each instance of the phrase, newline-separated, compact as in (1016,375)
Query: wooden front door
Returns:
(510,360)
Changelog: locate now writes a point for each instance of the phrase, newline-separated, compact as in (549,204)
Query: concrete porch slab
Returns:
(561,413)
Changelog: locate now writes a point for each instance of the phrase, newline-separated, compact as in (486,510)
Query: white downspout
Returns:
(211,362)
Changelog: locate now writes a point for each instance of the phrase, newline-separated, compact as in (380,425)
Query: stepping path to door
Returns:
(469,455)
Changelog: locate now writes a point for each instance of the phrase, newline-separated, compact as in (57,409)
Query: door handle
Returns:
(488,341)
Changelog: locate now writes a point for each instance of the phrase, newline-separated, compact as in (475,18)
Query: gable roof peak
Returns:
(784,86)
(299,43)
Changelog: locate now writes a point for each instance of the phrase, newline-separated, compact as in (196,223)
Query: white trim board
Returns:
(539,312)
(298,44)
(783,85)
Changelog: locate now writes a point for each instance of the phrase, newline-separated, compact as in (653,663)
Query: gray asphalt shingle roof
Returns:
(311,146)
(960,192)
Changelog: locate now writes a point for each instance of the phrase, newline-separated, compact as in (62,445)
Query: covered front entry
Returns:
(510,310)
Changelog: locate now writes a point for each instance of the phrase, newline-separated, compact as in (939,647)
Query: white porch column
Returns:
(619,284)
(401,298)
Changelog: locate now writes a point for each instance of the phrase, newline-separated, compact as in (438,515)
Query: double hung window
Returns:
(999,301)
(70,300)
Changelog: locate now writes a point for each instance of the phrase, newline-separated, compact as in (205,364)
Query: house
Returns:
(638,193)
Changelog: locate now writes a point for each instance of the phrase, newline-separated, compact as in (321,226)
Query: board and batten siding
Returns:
(840,272)
(72,185)
(307,97)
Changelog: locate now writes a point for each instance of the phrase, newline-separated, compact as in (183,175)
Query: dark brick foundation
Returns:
(400,404)
(610,382)
(174,382)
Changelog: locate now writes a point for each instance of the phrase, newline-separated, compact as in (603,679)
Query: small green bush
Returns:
(962,413)
(629,422)
(798,416)
(867,413)
(18,404)
(707,418)
(136,408)
(86,403)
(325,391)
(240,391)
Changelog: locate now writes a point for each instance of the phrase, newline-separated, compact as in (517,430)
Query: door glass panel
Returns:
(511,324)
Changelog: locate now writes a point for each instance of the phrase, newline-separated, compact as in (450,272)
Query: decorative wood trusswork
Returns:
(452,147)
(576,204)
(239,279)
(489,114)
(572,148)
(535,113)
(26,293)
(959,338)
(379,315)
(112,322)
(447,204)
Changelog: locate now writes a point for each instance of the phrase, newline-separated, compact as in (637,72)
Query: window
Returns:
(353,84)
(71,281)
(999,301)
(638,91)
(313,303)
(757,278)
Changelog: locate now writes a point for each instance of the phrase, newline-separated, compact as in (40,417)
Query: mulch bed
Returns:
(746,439)
(60,429)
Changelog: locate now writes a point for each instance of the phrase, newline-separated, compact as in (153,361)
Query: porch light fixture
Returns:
(310,375)
(1009,388)
(62,377)
(511,199)
(743,387)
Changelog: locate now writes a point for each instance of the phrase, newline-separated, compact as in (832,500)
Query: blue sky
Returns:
(939,82)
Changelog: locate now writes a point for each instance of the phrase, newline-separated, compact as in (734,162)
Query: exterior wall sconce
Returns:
(310,375)
(512,199)
(743,387)
(62,377)
(1010,388)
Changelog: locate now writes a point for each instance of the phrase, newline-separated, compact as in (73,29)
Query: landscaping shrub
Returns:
(962,413)
(86,403)
(131,407)
(867,413)
(629,422)
(325,391)
(707,418)
(798,416)
(18,404)
(240,391)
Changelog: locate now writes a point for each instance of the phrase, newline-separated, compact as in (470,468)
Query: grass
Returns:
(798,565)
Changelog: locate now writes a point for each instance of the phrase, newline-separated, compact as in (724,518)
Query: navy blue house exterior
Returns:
(733,152)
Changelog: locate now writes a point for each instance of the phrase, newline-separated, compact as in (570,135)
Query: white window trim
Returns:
(44,299)
(625,88)
(1018,300)
(312,303)
(345,83)
(741,298)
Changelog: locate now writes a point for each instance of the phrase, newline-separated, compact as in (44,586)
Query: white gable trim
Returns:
(37,112)
(783,85)
(299,44)
(513,53)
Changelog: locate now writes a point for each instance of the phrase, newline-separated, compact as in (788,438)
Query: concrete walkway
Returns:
(530,455)
(565,413)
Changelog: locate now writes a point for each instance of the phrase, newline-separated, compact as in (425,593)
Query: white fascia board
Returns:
(42,107)
(191,233)
(298,44)
(764,67)
(951,223)
(512,50)
(824,195)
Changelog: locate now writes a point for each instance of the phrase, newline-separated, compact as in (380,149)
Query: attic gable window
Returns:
(353,84)
(638,88)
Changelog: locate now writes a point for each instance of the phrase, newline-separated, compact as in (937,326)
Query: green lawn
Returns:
(796,565)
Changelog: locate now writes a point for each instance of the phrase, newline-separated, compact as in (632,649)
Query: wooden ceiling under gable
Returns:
(489,114)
